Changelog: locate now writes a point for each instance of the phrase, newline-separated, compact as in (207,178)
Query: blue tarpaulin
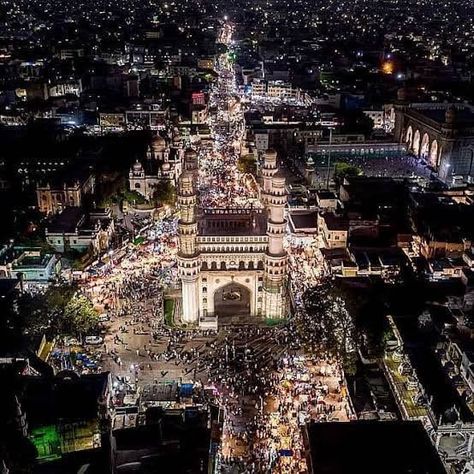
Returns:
(186,389)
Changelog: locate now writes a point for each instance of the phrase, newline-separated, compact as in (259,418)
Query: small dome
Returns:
(137,167)
(158,144)
(450,116)
(279,179)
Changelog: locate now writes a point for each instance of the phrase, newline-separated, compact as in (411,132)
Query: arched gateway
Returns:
(232,299)
(232,261)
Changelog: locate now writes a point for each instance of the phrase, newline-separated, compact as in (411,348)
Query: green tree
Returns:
(60,311)
(165,193)
(133,197)
(343,170)
(79,317)
(247,164)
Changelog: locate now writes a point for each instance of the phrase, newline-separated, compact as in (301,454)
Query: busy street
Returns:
(269,379)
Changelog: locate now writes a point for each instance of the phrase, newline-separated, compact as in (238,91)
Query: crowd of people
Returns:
(221,183)
(263,376)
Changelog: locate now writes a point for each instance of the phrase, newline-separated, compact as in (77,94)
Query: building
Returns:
(231,261)
(172,440)
(75,230)
(31,264)
(371,447)
(152,117)
(65,414)
(303,223)
(66,190)
(334,230)
(162,162)
(441,135)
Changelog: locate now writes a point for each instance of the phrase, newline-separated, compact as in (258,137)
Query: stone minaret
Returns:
(269,168)
(275,304)
(188,255)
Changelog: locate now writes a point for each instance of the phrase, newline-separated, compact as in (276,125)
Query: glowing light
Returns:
(387,67)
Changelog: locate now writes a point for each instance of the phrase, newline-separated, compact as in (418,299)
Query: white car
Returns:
(94,340)
(104,317)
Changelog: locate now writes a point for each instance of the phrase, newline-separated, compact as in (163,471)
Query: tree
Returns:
(329,325)
(79,317)
(60,311)
(355,121)
(247,164)
(343,170)
(165,193)
(133,197)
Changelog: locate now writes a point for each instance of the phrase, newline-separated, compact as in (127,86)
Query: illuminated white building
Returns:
(231,261)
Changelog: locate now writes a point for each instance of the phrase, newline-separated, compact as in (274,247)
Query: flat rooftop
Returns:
(372,447)
(232,222)
(464,115)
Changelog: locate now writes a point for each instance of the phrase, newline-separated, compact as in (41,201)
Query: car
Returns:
(104,317)
(71,341)
(94,340)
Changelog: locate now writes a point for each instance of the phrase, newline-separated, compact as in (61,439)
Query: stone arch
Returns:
(241,265)
(223,266)
(232,299)
(213,265)
(425,147)
(433,157)
(416,143)
(409,137)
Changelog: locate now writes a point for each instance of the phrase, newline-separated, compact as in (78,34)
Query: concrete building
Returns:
(75,230)
(333,229)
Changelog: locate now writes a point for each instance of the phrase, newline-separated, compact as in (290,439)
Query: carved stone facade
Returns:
(440,134)
(232,261)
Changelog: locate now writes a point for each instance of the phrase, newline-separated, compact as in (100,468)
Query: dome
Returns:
(137,167)
(158,144)
(279,179)
(450,116)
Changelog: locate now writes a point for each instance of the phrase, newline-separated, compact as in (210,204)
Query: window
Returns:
(137,186)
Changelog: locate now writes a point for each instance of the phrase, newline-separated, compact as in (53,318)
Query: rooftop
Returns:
(372,447)
(232,222)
